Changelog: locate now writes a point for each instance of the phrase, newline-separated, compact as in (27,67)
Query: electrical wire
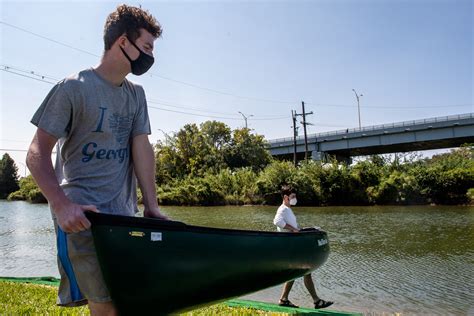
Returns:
(30,72)
(187,107)
(151,74)
(7,69)
(27,76)
(231,94)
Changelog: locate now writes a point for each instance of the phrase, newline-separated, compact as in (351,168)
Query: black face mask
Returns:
(142,63)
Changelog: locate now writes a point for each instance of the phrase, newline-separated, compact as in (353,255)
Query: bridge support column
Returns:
(325,157)
(319,156)
(344,159)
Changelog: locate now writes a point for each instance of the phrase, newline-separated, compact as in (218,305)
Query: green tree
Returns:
(28,191)
(247,150)
(8,176)
(208,148)
(446,178)
(217,137)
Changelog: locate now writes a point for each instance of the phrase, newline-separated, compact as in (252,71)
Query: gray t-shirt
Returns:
(95,122)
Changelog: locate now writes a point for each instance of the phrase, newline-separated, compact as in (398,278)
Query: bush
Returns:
(398,188)
(16,196)
(271,179)
(35,196)
(445,179)
(28,191)
(470,195)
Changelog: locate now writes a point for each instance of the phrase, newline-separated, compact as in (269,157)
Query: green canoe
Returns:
(154,267)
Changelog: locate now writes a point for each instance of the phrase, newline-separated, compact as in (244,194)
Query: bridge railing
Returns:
(379,127)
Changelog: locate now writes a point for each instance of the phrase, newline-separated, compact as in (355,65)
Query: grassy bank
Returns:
(36,299)
(446,179)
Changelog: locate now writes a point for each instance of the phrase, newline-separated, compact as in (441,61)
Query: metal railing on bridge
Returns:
(380,127)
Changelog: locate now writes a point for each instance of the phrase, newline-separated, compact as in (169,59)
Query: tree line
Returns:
(210,164)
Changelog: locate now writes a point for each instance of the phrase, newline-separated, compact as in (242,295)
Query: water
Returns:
(384,260)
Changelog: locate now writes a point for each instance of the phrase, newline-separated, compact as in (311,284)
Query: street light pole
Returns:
(358,104)
(245,118)
(295,133)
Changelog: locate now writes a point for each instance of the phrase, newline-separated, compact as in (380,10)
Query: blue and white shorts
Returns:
(81,277)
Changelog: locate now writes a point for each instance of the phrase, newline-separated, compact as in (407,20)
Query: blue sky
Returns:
(410,60)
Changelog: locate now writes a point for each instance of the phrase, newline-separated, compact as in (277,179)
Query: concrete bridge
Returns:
(430,133)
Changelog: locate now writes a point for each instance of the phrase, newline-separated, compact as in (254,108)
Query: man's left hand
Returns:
(155,213)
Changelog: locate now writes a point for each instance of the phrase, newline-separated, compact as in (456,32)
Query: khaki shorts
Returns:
(81,277)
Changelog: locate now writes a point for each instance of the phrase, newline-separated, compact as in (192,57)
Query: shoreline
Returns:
(272,205)
(239,305)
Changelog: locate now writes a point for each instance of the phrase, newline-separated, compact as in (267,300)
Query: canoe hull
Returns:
(157,267)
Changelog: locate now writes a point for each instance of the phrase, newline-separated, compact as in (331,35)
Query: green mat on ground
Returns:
(36,280)
(52,281)
(281,309)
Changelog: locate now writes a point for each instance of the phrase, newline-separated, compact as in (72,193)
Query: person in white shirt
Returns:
(285,220)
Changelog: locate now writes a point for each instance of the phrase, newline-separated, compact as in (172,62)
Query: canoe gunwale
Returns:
(101,219)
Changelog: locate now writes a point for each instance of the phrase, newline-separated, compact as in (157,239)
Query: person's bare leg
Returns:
(102,309)
(308,282)
(286,290)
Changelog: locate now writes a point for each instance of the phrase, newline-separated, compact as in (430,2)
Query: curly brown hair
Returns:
(129,20)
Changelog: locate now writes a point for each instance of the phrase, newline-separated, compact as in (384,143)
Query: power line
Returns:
(30,72)
(211,116)
(230,94)
(48,39)
(151,74)
(168,110)
(221,92)
(7,69)
(187,113)
(180,106)
(27,76)
(187,107)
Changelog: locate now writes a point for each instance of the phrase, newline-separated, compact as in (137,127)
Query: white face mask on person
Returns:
(293,201)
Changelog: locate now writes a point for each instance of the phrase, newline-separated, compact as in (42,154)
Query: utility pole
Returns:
(245,118)
(358,104)
(295,133)
(304,126)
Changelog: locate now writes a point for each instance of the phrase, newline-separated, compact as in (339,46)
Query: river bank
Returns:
(446,179)
(17,295)
(21,299)
(378,261)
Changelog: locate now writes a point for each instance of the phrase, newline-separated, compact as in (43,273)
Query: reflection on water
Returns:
(412,260)
(27,244)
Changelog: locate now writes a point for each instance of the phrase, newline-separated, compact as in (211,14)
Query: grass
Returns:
(37,299)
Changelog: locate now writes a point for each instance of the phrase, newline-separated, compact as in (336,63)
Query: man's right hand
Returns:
(70,216)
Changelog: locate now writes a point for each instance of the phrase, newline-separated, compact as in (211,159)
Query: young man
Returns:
(100,123)
(285,220)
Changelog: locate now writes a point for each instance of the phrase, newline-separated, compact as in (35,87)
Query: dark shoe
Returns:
(322,304)
(287,303)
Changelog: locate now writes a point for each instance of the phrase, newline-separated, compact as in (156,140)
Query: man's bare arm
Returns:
(70,216)
(144,166)
(289,227)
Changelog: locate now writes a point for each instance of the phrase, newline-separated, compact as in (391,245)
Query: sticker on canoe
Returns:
(136,234)
(156,236)
(322,242)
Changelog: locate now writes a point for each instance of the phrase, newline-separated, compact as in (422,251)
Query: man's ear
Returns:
(122,40)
